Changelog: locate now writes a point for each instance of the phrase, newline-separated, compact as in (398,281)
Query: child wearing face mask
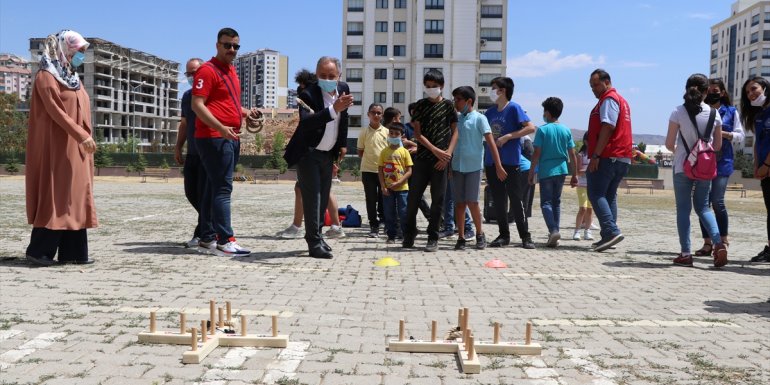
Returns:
(395,168)
(468,162)
(371,142)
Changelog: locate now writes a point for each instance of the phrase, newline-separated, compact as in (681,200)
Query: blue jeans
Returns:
(550,201)
(603,194)
(449,210)
(218,156)
(717,202)
(394,205)
(689,193)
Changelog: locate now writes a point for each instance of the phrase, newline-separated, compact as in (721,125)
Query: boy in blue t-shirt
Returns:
(554,157)
(468,161)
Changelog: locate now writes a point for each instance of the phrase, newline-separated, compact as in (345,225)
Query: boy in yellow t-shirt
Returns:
(395,168)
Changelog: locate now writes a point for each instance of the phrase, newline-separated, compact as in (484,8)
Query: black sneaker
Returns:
(481,241)
(527,243)
(607,243)
(763,256)
(500,242)
(432,246)
(408,242)
(460,245)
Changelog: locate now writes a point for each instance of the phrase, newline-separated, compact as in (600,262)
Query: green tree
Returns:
(642,147)
(12,167)
(13,125)
(276,160)
(259,142)
(101,158)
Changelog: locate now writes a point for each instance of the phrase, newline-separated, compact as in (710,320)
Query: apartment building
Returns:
(388,45)
(133,93)
(264,77)
(15,76)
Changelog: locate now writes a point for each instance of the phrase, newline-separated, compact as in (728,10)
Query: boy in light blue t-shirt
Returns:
(468,162)
(553,159)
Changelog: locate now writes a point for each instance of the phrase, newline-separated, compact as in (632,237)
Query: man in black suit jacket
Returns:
(320,137)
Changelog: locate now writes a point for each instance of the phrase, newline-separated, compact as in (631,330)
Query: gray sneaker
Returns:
(481,241)
(208,247)
(291,232)
(553,239)
(334,232)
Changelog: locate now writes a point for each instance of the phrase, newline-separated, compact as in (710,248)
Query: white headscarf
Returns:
(54,59)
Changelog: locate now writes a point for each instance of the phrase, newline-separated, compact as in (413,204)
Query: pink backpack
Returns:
(701,160)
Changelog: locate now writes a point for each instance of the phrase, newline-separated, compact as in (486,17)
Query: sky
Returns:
(648,47)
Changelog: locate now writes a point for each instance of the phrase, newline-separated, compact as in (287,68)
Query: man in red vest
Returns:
(609,146)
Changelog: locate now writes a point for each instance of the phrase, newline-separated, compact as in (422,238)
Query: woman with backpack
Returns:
(732,132)
(756,119)
(694,129)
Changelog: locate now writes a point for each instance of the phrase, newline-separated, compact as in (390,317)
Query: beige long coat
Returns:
(59,173)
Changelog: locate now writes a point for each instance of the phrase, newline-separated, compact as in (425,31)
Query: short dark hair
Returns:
(554,106)
(389,114)
(304,78)
(396,126)
(504,82)
(465,92)
(411,107)
(433,76)
(227,32)
(603,75)
(373,105)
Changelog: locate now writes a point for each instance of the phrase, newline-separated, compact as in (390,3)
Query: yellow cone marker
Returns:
(387,262)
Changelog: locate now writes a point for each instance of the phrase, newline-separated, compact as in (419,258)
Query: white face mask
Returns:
(433,93)
(760,100)
(493,95)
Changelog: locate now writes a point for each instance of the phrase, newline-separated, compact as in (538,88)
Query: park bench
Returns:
(637,183)
(266,174)
(737,187)
(154,172)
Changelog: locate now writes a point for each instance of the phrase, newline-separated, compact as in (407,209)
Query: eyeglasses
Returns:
(189,73)
(231,45)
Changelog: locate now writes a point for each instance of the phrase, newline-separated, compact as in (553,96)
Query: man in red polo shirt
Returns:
(216,101)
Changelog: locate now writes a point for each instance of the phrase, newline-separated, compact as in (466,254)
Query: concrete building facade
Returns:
(388,45)
(133,93)
(264,77)
(15,76)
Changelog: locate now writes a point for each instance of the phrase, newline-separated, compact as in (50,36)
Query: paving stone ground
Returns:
(626,316)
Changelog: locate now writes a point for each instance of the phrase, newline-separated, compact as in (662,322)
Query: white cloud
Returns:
(537,64)
(701,16)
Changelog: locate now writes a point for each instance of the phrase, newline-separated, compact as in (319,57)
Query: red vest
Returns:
(621,142)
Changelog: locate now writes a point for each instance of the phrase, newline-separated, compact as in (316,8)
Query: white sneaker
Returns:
(553,239)
(336,180)
(192,243)
(334,232)
(576,235)
(594,226)
(233,248)
(587,235)
(208,247)
(291,232)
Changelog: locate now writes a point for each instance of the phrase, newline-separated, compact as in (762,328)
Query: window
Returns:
(713,53)
(434,50)
(485,79)
(754,20)
(353,75)
(355,28)
(767,17)
(434,26)
(399,74)
(399,4)
(715,37)
(399,26)
(381,26)
(355,5)
(752,72)
(766,53)
(766,35)
(754,37)
(398,97)
(380,97)
(765,71)
(399,50)
(382,4)
(434,4)
(492,34)
(380,73)
(356,98)
(355,121)
(380,50)
(713,69)
(491,57)
(752,55)
(492,11)
(355,52)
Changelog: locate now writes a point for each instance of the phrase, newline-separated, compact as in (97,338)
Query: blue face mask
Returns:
(544,119)
(77,59)
(394,141)
(190,80)
(327,85)
(465,109)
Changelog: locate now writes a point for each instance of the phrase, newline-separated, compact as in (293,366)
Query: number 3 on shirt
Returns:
(200,84)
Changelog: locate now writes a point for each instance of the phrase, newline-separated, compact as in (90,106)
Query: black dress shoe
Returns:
(88,261)
(325,245)
(321,253)
(500,242)
(41,261)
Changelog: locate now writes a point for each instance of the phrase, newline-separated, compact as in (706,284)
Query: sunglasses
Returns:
(189,73)
(231,45)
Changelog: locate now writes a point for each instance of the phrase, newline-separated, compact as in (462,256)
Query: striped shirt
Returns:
(435,125)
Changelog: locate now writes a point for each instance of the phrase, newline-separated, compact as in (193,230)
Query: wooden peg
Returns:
(275,326)
(221,319)
(496,338)
(471,349)
(182,323)
(528,334)
(401,330)
(204,337)
(153,328)
(229,309)
(211,318)
(194,339)
(243,325)
(460,318)
(468,339)
(433,331)
(465,318)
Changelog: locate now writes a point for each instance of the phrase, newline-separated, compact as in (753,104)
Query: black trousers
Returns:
(423,174)
(72,245)
(504,191)
(527,193)
(194,185)
(373,195)
(314,176)
(766,195)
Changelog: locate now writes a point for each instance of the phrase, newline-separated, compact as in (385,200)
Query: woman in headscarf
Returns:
(60,162)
